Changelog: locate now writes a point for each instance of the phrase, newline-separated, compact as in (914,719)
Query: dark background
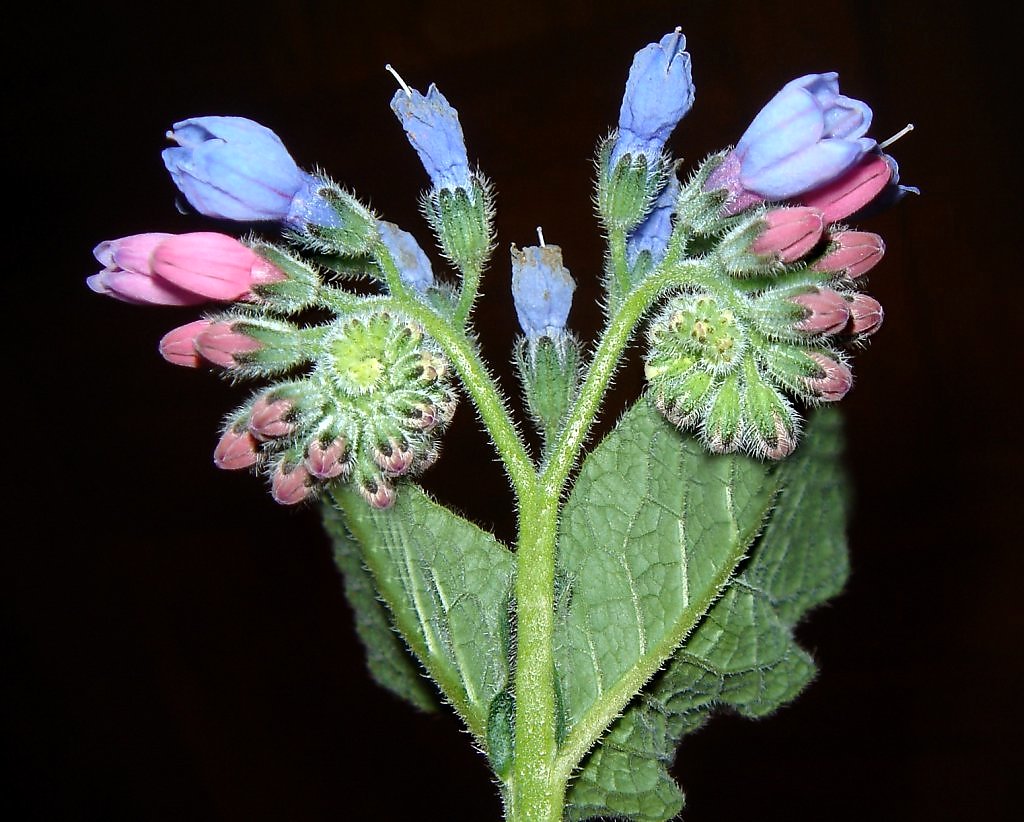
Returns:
(178,646)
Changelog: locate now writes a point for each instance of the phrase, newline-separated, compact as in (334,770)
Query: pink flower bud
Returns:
(851,191)
(394,458)
(327,463)
(267,420)
(220,344)
(866,316)
(214,265)
(789,233)
(378,493)
(128,273)
(785,442)
(289,487)
(827,312)
(423,417)
(852,254)
(178,346)
(235,450)
(836,379)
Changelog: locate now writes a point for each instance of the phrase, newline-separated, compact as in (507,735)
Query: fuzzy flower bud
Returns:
(852,254)
(789,233)
(834,381)
(827,312)
(327,461)
(433,129)
(178,346)
(413,264)
(806,136)
(236,450)
(541,289)
(866,316)
(290,485)
(269,419)
(221,344)
(659,93)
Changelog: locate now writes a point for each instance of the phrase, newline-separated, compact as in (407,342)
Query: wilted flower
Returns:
(541,289)
(413,264)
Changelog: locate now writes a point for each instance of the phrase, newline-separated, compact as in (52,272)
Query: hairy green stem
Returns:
(467,296)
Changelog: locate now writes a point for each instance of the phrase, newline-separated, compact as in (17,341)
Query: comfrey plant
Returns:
(661,581)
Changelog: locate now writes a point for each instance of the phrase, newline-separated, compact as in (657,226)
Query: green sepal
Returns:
(463,222)
(390,663)
(297,291)
(626,193)
(447,585)
(699,212)
(723,425)
(355,236)
(549,371)
(284,346)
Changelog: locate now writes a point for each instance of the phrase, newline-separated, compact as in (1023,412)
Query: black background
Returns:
(178,645)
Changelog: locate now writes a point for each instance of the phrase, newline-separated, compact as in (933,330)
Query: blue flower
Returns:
(652,235)
(433,129)
(805,136)
(233,168)
(541,289)
(659,92)
(413,265)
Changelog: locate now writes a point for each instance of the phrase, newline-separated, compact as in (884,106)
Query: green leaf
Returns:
(652,532)
(448,585)
(742,656)
(390,662)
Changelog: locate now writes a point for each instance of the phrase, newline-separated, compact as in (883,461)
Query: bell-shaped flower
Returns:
(806,136)
(542,290)
(433,129)
(233,168)
(659,93)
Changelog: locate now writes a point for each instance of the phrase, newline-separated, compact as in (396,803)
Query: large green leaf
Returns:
(389,660)
(447,585)
(742,654)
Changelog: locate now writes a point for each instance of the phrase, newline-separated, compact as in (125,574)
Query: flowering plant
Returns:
(656,578)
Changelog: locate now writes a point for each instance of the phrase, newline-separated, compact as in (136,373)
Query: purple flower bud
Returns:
(413,265)
(233,168)
(541,289)
(433,129)
(891,194)
(834,381)
(652,235)
(807,135)
(659,93)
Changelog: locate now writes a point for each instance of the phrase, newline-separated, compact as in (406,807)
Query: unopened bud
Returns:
(835,379)
(221,344)
(866,315)
(789,233)
(236,450)
(852,254)
(827,312)
(377,492)
(394,457)
(268,420)
(289,486)
(178,346)
(327,462)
